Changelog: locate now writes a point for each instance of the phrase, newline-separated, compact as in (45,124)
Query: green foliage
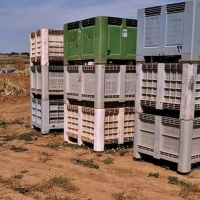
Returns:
(18,149)
(74,146)
(151,174)
(122,196)
(108,161)
(87,163)
(3,123)
(53,145)
(62,182)
(24,171)
(22,190)
(18,176)
(24,136)
(9,137)
(187,188)
(28,136)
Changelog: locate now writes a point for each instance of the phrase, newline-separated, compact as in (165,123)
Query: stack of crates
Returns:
(99,79)
(167,117)
(47,79)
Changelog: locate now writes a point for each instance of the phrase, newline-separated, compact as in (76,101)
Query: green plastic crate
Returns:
(101,40)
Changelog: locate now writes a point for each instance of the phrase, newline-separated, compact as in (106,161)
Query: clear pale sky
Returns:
(18,18)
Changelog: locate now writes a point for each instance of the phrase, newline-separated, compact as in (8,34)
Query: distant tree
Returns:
(25,53)
(14,53)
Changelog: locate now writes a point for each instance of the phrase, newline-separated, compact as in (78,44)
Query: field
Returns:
(43,167)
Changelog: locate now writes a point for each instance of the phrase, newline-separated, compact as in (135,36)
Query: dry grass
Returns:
(188,190)
(25,72)
(9,87)
(41,188)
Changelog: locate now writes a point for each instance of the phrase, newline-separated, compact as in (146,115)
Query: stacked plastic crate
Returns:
(167,119)
(47,79)
(99,84)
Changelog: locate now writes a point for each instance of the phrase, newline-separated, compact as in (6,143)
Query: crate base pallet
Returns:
(168,86)
(98,126)
(167,138)
(47,115)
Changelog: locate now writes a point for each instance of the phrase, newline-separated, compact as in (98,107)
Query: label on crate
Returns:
(124,33)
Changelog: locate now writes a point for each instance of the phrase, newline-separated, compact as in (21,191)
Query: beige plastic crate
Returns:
(46,45)
(99,126)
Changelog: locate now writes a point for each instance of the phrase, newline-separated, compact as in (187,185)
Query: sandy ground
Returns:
(46,168)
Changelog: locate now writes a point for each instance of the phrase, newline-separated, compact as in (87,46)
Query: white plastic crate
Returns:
(47,79)
(167,138)
(33,79)
(169,30)
(100,83)
(99,126)
(47,114)
(32,41)
(46,45)
(168,86)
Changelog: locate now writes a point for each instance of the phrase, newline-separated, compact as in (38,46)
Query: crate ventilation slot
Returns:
(32,35)
(175,8)
(73,25)
(153,11)
(55,32)
(56,68)
(38,32)
(115,21)
(131,22)
(88,22)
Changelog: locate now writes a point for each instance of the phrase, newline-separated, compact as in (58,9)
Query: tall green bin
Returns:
(101,40)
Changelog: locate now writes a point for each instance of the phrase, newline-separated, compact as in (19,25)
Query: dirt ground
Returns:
(35,166)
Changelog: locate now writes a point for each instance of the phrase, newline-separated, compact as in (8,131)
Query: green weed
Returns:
(53,145)
(9,137)
(87,163)
(18,149)
(108,161)
(151,174)
(62,182)
(74,146)
(28,136)
(24,171)
(122,196)
(3,123)
(18,176)
(187,188)
(16,121)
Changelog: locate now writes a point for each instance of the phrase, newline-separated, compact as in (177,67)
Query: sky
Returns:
(18,18)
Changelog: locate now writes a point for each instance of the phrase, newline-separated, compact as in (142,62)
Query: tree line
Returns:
(15,53)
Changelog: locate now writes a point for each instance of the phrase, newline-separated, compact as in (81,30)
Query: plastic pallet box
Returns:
(46,46)
(99,126)
(168,87)
(169,30)
(167,138)
(47,80)
(47,115)
(100,83)
(100,39)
